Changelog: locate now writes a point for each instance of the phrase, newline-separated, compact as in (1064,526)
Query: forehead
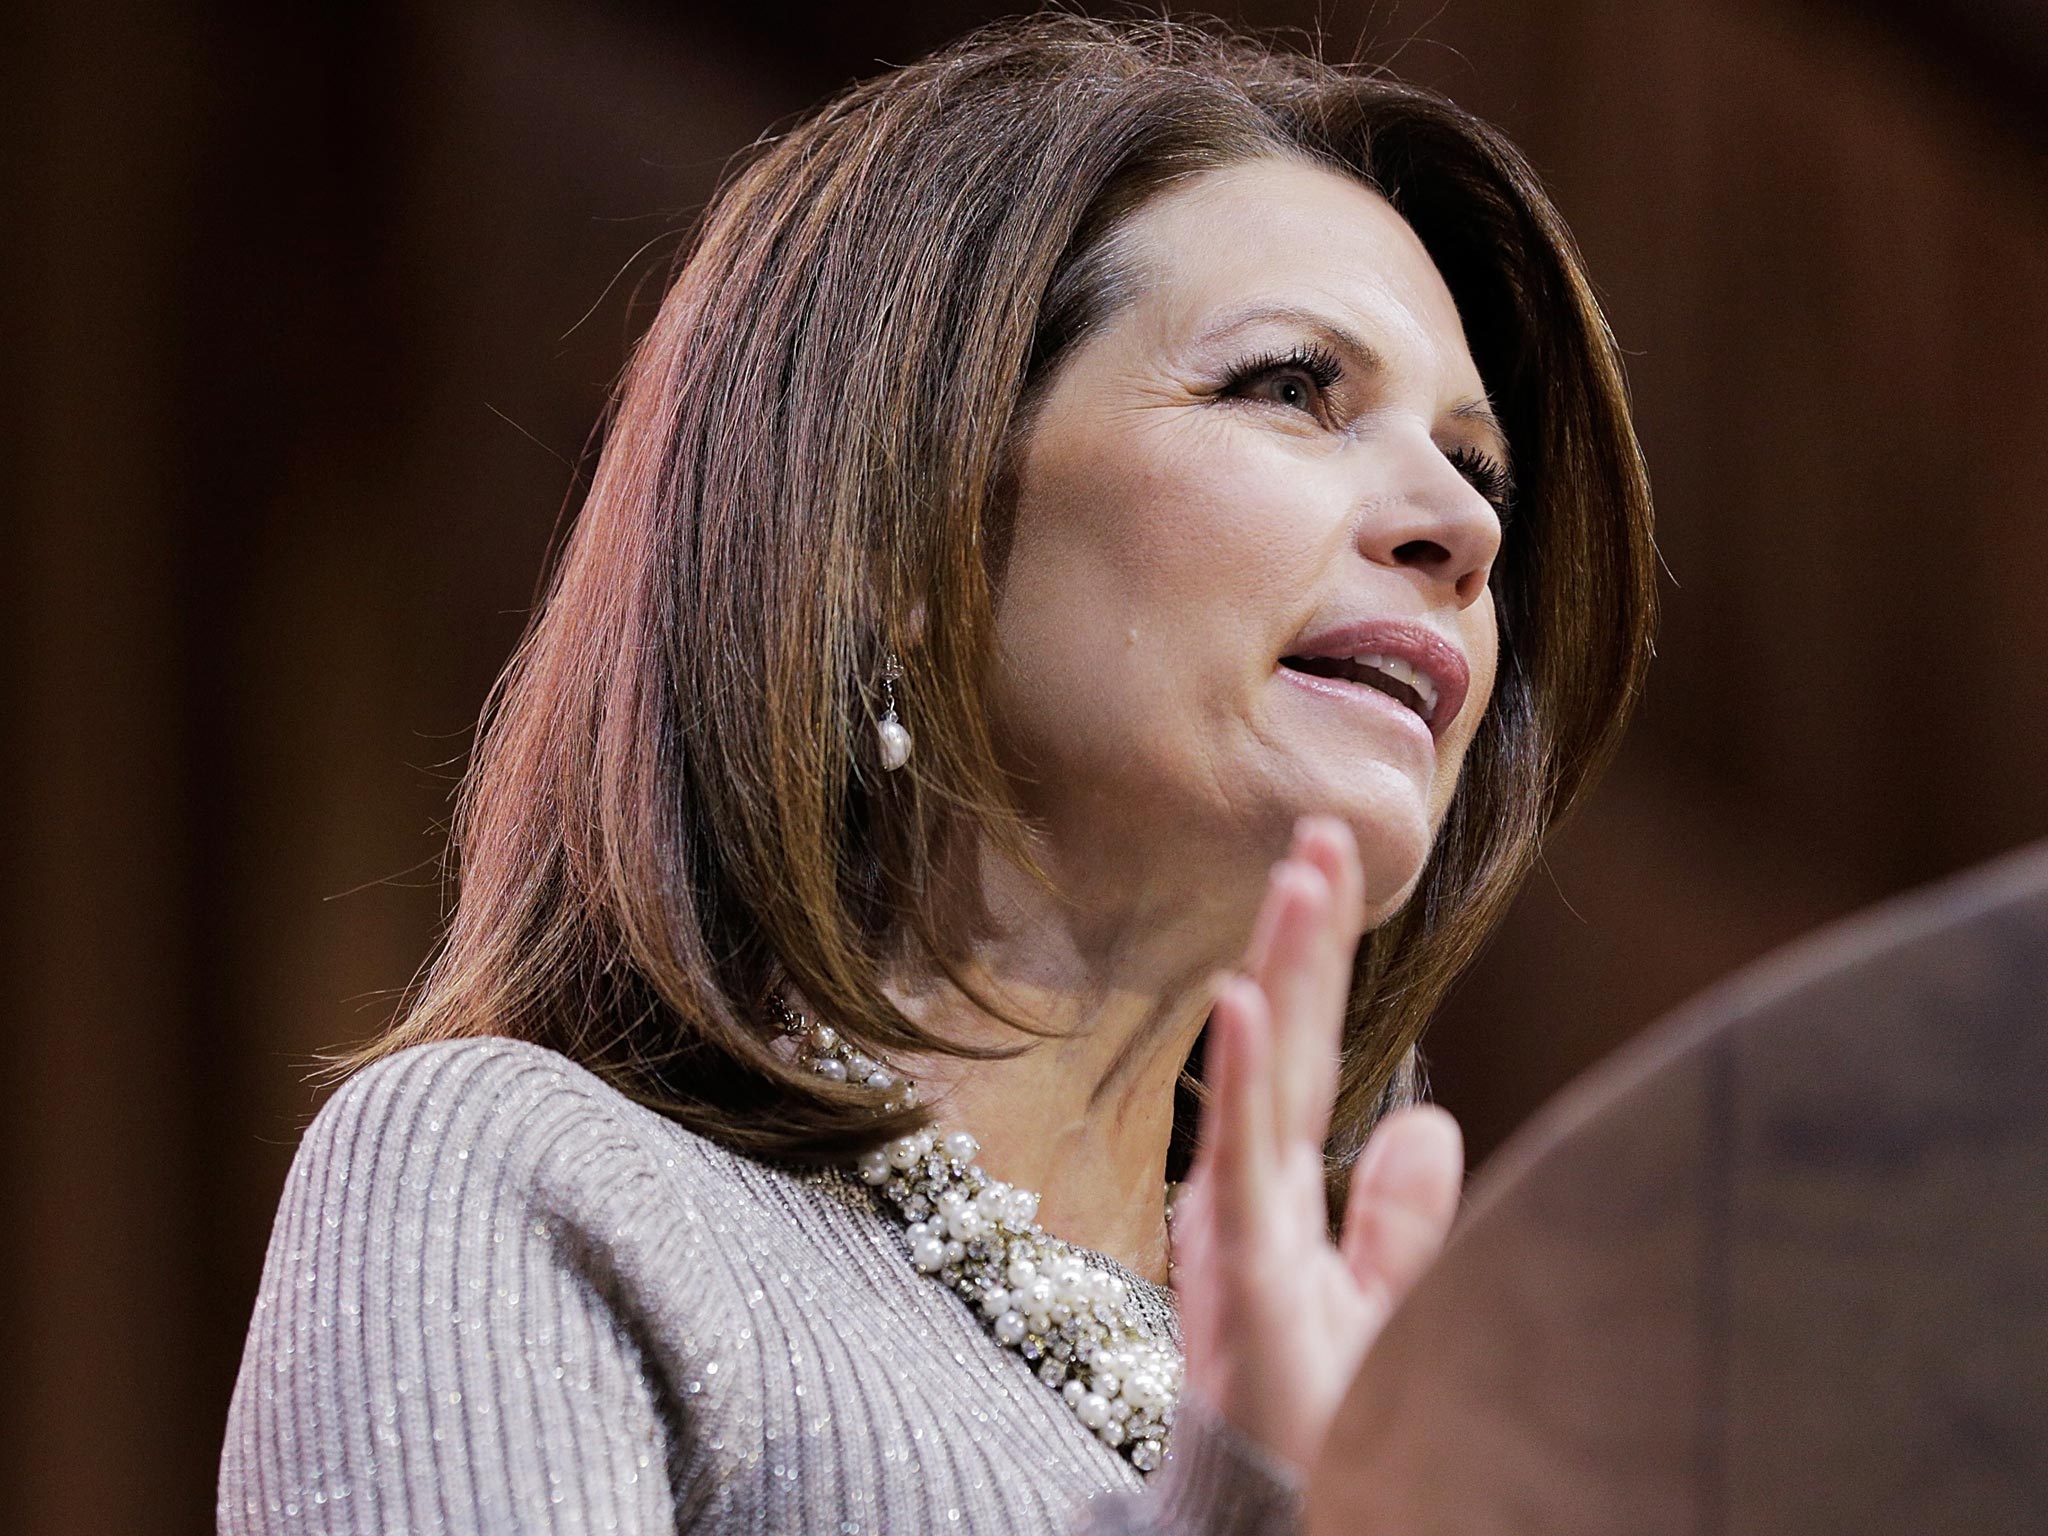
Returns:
(1278,234)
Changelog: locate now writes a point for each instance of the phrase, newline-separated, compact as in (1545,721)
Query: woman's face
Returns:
(1253,533)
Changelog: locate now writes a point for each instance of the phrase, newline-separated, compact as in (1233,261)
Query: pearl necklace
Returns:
(1072,1320)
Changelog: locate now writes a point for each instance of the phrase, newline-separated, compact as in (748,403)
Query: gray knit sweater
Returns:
(501,1296)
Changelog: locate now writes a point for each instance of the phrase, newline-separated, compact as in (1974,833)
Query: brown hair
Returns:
(675,802)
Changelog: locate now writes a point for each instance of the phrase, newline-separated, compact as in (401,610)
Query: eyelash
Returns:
(1318,362)
(1491,478)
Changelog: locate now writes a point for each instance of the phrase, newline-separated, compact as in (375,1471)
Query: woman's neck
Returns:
(1089,1134)
(1083,1116)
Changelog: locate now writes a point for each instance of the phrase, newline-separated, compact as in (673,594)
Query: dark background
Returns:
(309,312)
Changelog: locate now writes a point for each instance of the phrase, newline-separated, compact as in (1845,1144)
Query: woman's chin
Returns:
(1395,829)
(1390,879)
(1393,818)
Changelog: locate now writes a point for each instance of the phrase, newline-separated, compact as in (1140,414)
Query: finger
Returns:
(1235,1160)
(1258,953)
(1190,1223)
(1404,1194)
(1294,990)
(1328,844)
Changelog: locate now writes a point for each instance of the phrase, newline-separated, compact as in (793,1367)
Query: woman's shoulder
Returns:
(471,1066)
(479,1082)
(490,1120)
(481,1251)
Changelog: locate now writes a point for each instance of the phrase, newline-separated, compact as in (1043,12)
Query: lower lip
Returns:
(1362,696)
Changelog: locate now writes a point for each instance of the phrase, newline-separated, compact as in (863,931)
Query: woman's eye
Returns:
(1292,387)
(1300,380)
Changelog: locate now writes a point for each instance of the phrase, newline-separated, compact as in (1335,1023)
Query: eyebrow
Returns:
(1476,410)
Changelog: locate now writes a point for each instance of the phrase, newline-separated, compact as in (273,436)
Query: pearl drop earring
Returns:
(889,731)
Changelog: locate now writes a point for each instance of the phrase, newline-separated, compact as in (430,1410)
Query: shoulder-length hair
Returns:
(675,802)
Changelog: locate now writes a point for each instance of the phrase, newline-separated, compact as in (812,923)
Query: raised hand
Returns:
(1275,1316)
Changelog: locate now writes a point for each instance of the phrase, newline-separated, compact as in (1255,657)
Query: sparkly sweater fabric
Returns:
(502,1297)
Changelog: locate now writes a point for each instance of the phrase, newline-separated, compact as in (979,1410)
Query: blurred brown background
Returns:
(309,313)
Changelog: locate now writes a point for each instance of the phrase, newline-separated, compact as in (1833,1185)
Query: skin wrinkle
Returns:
(1221,341)
(1191,536)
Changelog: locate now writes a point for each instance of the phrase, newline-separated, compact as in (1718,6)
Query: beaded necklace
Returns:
(1071,1319)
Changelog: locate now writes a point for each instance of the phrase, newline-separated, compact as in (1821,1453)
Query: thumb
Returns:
(1404,1194)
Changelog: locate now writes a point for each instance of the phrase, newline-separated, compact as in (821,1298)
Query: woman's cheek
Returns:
(1482,654)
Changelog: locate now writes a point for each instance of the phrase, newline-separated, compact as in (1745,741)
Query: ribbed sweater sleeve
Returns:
(500,1298)
(433,1347)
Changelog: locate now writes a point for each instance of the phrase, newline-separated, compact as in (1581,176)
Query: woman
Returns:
(1068,475)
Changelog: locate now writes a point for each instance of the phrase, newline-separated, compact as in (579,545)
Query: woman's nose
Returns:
(1433,521)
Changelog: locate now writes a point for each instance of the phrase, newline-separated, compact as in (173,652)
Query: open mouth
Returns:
(1391,675)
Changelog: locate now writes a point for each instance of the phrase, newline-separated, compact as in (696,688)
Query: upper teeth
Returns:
(1402,672)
